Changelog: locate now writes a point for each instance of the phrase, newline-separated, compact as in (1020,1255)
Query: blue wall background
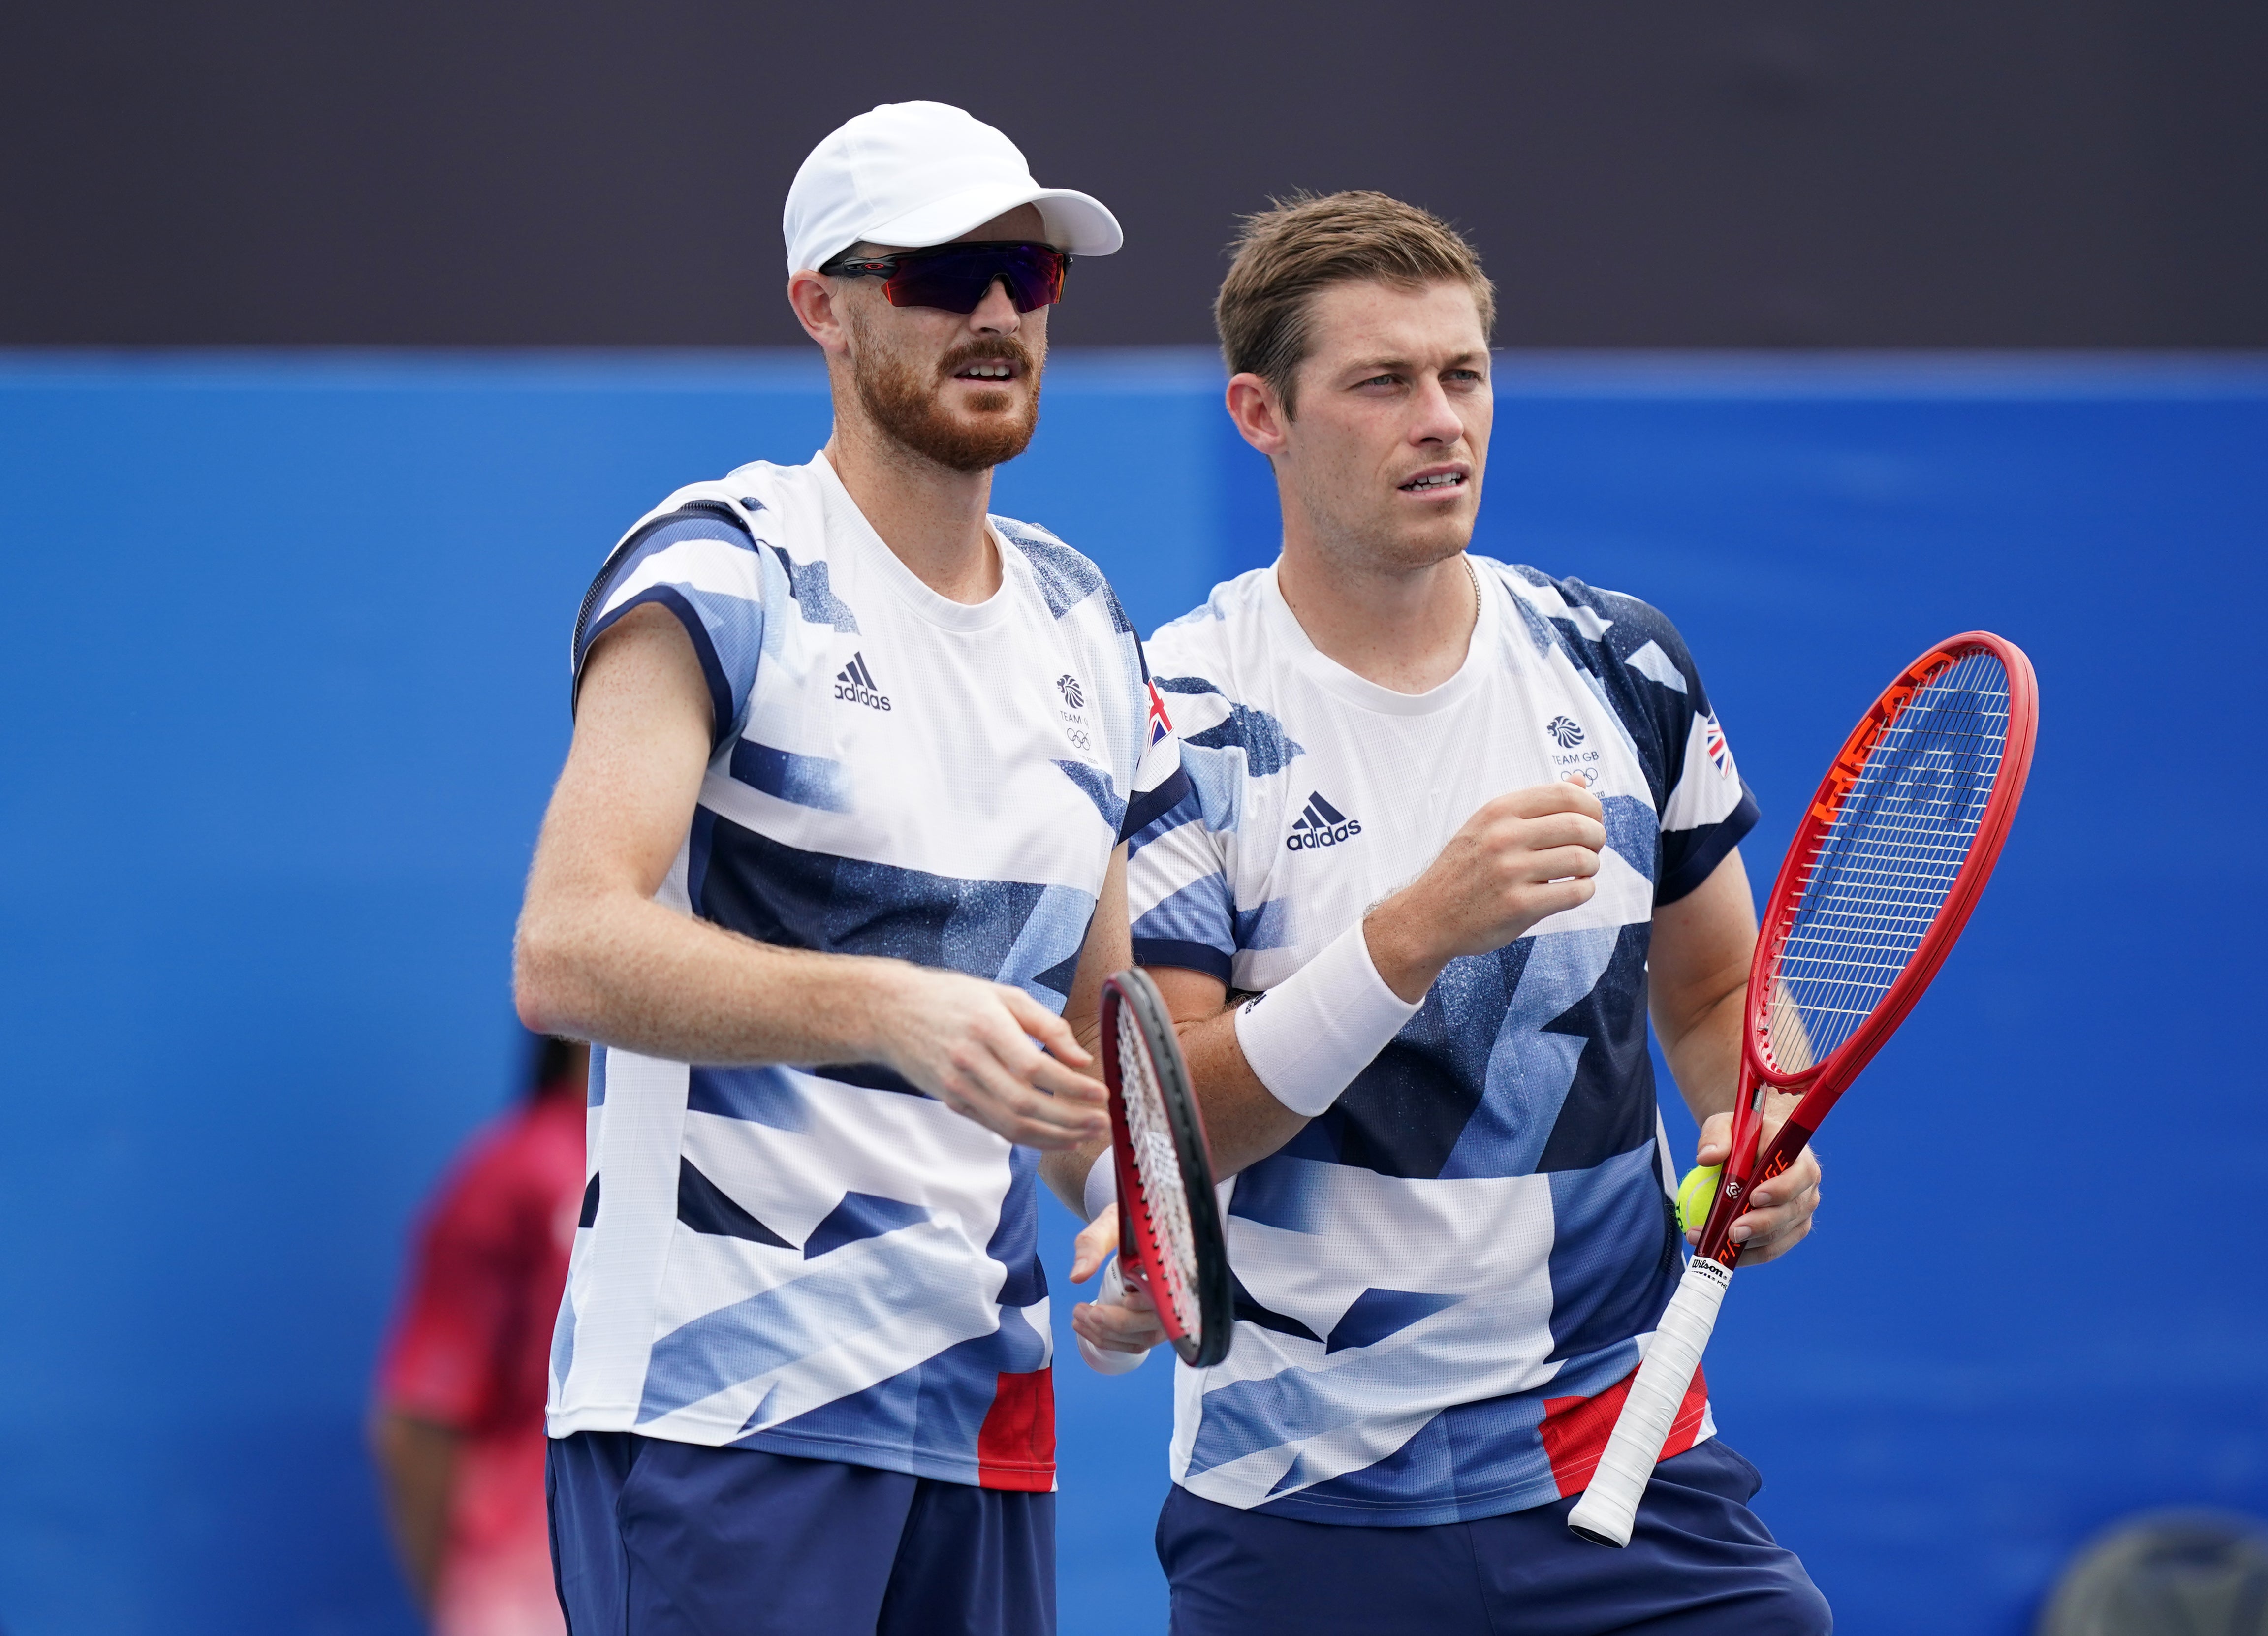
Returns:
(285,684)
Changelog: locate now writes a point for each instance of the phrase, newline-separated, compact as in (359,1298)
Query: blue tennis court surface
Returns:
(286,684)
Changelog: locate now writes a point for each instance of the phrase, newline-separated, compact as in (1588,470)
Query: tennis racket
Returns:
(1170,1242)
(1875,887)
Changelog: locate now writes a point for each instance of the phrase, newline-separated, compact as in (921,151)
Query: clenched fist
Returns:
(1521,858)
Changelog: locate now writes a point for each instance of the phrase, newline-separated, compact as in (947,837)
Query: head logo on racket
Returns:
(1877,884)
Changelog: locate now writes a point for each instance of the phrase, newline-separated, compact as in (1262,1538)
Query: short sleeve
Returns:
(1704,806)
(1710,809)
(1177,889)
(1636,658)
(700,562)
(1156,783)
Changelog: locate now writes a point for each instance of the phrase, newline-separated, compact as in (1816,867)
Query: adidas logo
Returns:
(1320,824)
(855,683)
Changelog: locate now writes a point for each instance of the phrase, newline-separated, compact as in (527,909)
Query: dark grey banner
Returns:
(1637,173)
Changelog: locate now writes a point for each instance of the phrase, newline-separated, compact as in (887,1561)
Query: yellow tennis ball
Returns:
(1695,1194)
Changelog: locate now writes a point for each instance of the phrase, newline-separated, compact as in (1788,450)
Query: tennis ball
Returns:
(1695,1194)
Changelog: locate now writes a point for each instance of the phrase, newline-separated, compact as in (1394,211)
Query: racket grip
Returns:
(1609,1506)
(1103,1362)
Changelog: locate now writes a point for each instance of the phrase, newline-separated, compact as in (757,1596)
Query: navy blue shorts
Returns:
(655,1538)
(1700,1563)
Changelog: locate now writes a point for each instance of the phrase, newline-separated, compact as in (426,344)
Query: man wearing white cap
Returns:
(838,838)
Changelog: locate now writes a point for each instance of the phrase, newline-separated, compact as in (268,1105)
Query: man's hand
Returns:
(968,1044)
(1129,1323)
(1519,858)
(1779,1211)
(599,959)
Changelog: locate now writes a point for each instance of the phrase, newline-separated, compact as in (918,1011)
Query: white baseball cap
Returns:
(914,174)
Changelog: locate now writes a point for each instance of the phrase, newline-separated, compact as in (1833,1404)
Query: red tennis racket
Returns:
(1875,887)
(1170,1242)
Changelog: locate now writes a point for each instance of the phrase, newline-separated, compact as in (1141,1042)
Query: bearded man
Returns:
(837,841)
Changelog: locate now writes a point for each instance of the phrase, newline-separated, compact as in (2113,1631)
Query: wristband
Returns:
(1102,1190)
(1309,1035)
(1109,1362)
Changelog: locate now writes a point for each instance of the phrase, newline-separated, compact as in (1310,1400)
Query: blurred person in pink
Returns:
(457,1427)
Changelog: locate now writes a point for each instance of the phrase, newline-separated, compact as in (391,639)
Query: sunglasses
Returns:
(958,276)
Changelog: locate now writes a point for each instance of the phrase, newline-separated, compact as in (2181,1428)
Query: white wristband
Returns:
(1109,1362)
(1102,1190)
(1309,1035)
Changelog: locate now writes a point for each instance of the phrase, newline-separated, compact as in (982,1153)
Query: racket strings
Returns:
(1156,1161)
(1876,880)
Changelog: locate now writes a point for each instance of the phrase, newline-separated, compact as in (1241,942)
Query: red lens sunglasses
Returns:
(957,277)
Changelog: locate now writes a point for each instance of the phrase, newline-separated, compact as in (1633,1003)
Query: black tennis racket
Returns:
(1170,1242)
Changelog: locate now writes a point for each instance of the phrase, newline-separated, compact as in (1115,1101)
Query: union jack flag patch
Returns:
(1712,742)
(1159,725)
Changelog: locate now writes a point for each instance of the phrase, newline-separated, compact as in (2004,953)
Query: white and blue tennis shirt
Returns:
(823,1261)
(1442,1282)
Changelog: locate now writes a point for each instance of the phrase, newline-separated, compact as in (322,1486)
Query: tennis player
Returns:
(837,841)
(1445,830)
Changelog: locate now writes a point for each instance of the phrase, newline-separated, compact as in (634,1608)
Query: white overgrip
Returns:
(1609,1506)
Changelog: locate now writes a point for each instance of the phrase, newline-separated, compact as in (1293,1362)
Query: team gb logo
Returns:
(1564,731)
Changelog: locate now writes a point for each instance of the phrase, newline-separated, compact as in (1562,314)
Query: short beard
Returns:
(905,407)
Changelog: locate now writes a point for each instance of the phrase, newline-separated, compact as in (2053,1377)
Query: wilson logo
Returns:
(1320,824)
(854,684)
